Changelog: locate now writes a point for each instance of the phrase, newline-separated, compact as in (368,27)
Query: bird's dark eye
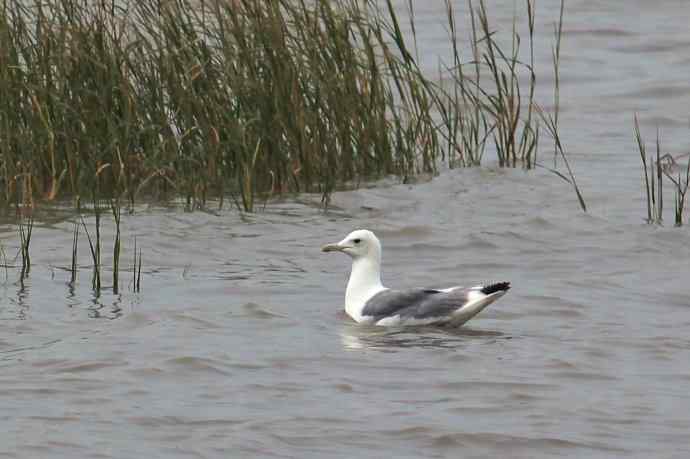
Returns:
(357,241)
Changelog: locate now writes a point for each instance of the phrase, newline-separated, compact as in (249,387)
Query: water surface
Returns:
(236,346)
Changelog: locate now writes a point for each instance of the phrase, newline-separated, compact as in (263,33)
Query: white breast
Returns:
(356,299)
(364,283)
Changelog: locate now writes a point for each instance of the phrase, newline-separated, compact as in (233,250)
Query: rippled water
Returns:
(236,346)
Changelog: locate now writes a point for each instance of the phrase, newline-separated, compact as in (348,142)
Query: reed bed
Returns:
(244,98)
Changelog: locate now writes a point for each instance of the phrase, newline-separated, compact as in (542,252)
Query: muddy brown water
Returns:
(235,346)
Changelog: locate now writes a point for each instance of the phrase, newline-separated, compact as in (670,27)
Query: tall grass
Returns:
(199,98)
(478,108)
(493,106)
(504,104)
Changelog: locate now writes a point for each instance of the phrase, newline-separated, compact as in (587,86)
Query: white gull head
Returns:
(365,279)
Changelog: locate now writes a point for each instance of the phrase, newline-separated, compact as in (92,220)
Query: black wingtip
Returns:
(497,287)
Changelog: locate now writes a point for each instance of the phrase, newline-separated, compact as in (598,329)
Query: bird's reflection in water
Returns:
(391,339)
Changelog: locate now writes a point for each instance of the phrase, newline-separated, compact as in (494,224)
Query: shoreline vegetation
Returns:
(247,99)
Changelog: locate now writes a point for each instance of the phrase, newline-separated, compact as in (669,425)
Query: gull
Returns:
(367,301)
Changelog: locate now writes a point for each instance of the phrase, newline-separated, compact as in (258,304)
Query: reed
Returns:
(200,98)
(681,183)
(464,121)
(654,168)
(648,187)
(5,264)
(530,136)
(550,120)
(26,225)
(138,286)
(477,108)
(136,269)
(115,207)
(95,247)
(504,103)
(659,180)
(558,33)
(552,128)
(75,245)
(653,176)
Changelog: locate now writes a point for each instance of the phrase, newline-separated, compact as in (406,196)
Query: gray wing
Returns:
(415,303)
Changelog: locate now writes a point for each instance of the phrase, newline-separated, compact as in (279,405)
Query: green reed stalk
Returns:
(136,269)
(3,255)
(97,247)
(451,116)
(570,177)
(96,278)
(515,138)
(138,283)
(497,105)
(95,244)
(115,207)
(25,230)
(665,165)
(682,184)
(413,27)
(530,134)
(654,168)
(551,120)
(643,156)
(75,244)
(558,31)
(682,192)
(476,143)
(659,172)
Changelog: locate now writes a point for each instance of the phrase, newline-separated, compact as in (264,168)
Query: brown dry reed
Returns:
(245,98)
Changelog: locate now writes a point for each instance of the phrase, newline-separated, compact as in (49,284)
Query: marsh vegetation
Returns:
(249,99)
